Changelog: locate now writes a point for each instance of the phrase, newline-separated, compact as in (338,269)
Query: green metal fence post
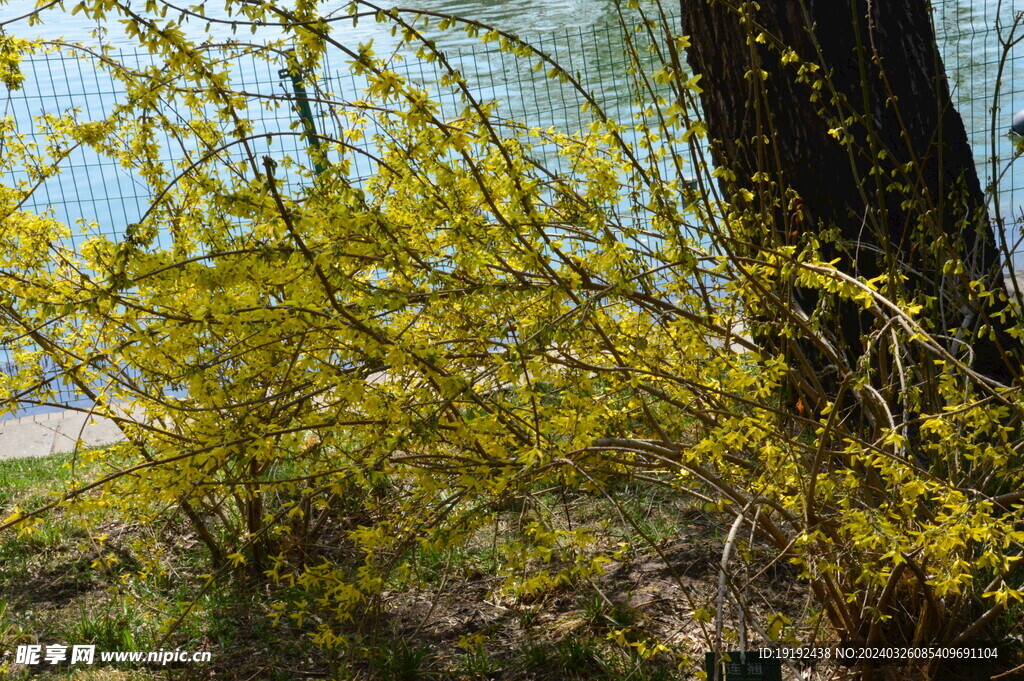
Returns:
(305,113)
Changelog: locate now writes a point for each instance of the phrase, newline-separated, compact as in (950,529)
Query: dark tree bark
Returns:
(902,197)
(886,88)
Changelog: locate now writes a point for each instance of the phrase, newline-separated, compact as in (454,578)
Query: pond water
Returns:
(582,34)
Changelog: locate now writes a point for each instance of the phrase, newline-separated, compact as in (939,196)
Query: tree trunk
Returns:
(885,87)
(784,84)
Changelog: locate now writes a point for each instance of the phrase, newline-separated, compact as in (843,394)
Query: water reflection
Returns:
(582,35)
(518,16)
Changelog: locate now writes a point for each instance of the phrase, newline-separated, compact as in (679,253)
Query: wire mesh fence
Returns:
(101,196)
(98,195)
(986,74)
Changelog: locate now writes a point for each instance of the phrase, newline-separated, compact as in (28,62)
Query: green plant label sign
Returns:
(733,665)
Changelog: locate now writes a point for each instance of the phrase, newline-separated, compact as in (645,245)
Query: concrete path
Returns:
(45,434)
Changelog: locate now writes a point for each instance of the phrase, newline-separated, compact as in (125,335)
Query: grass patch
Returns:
(24,482)
(91,579)
(121,585)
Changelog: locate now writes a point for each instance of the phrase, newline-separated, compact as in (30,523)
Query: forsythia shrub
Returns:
(384,366)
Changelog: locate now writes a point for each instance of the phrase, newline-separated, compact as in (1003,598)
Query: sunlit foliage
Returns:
(386,366)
